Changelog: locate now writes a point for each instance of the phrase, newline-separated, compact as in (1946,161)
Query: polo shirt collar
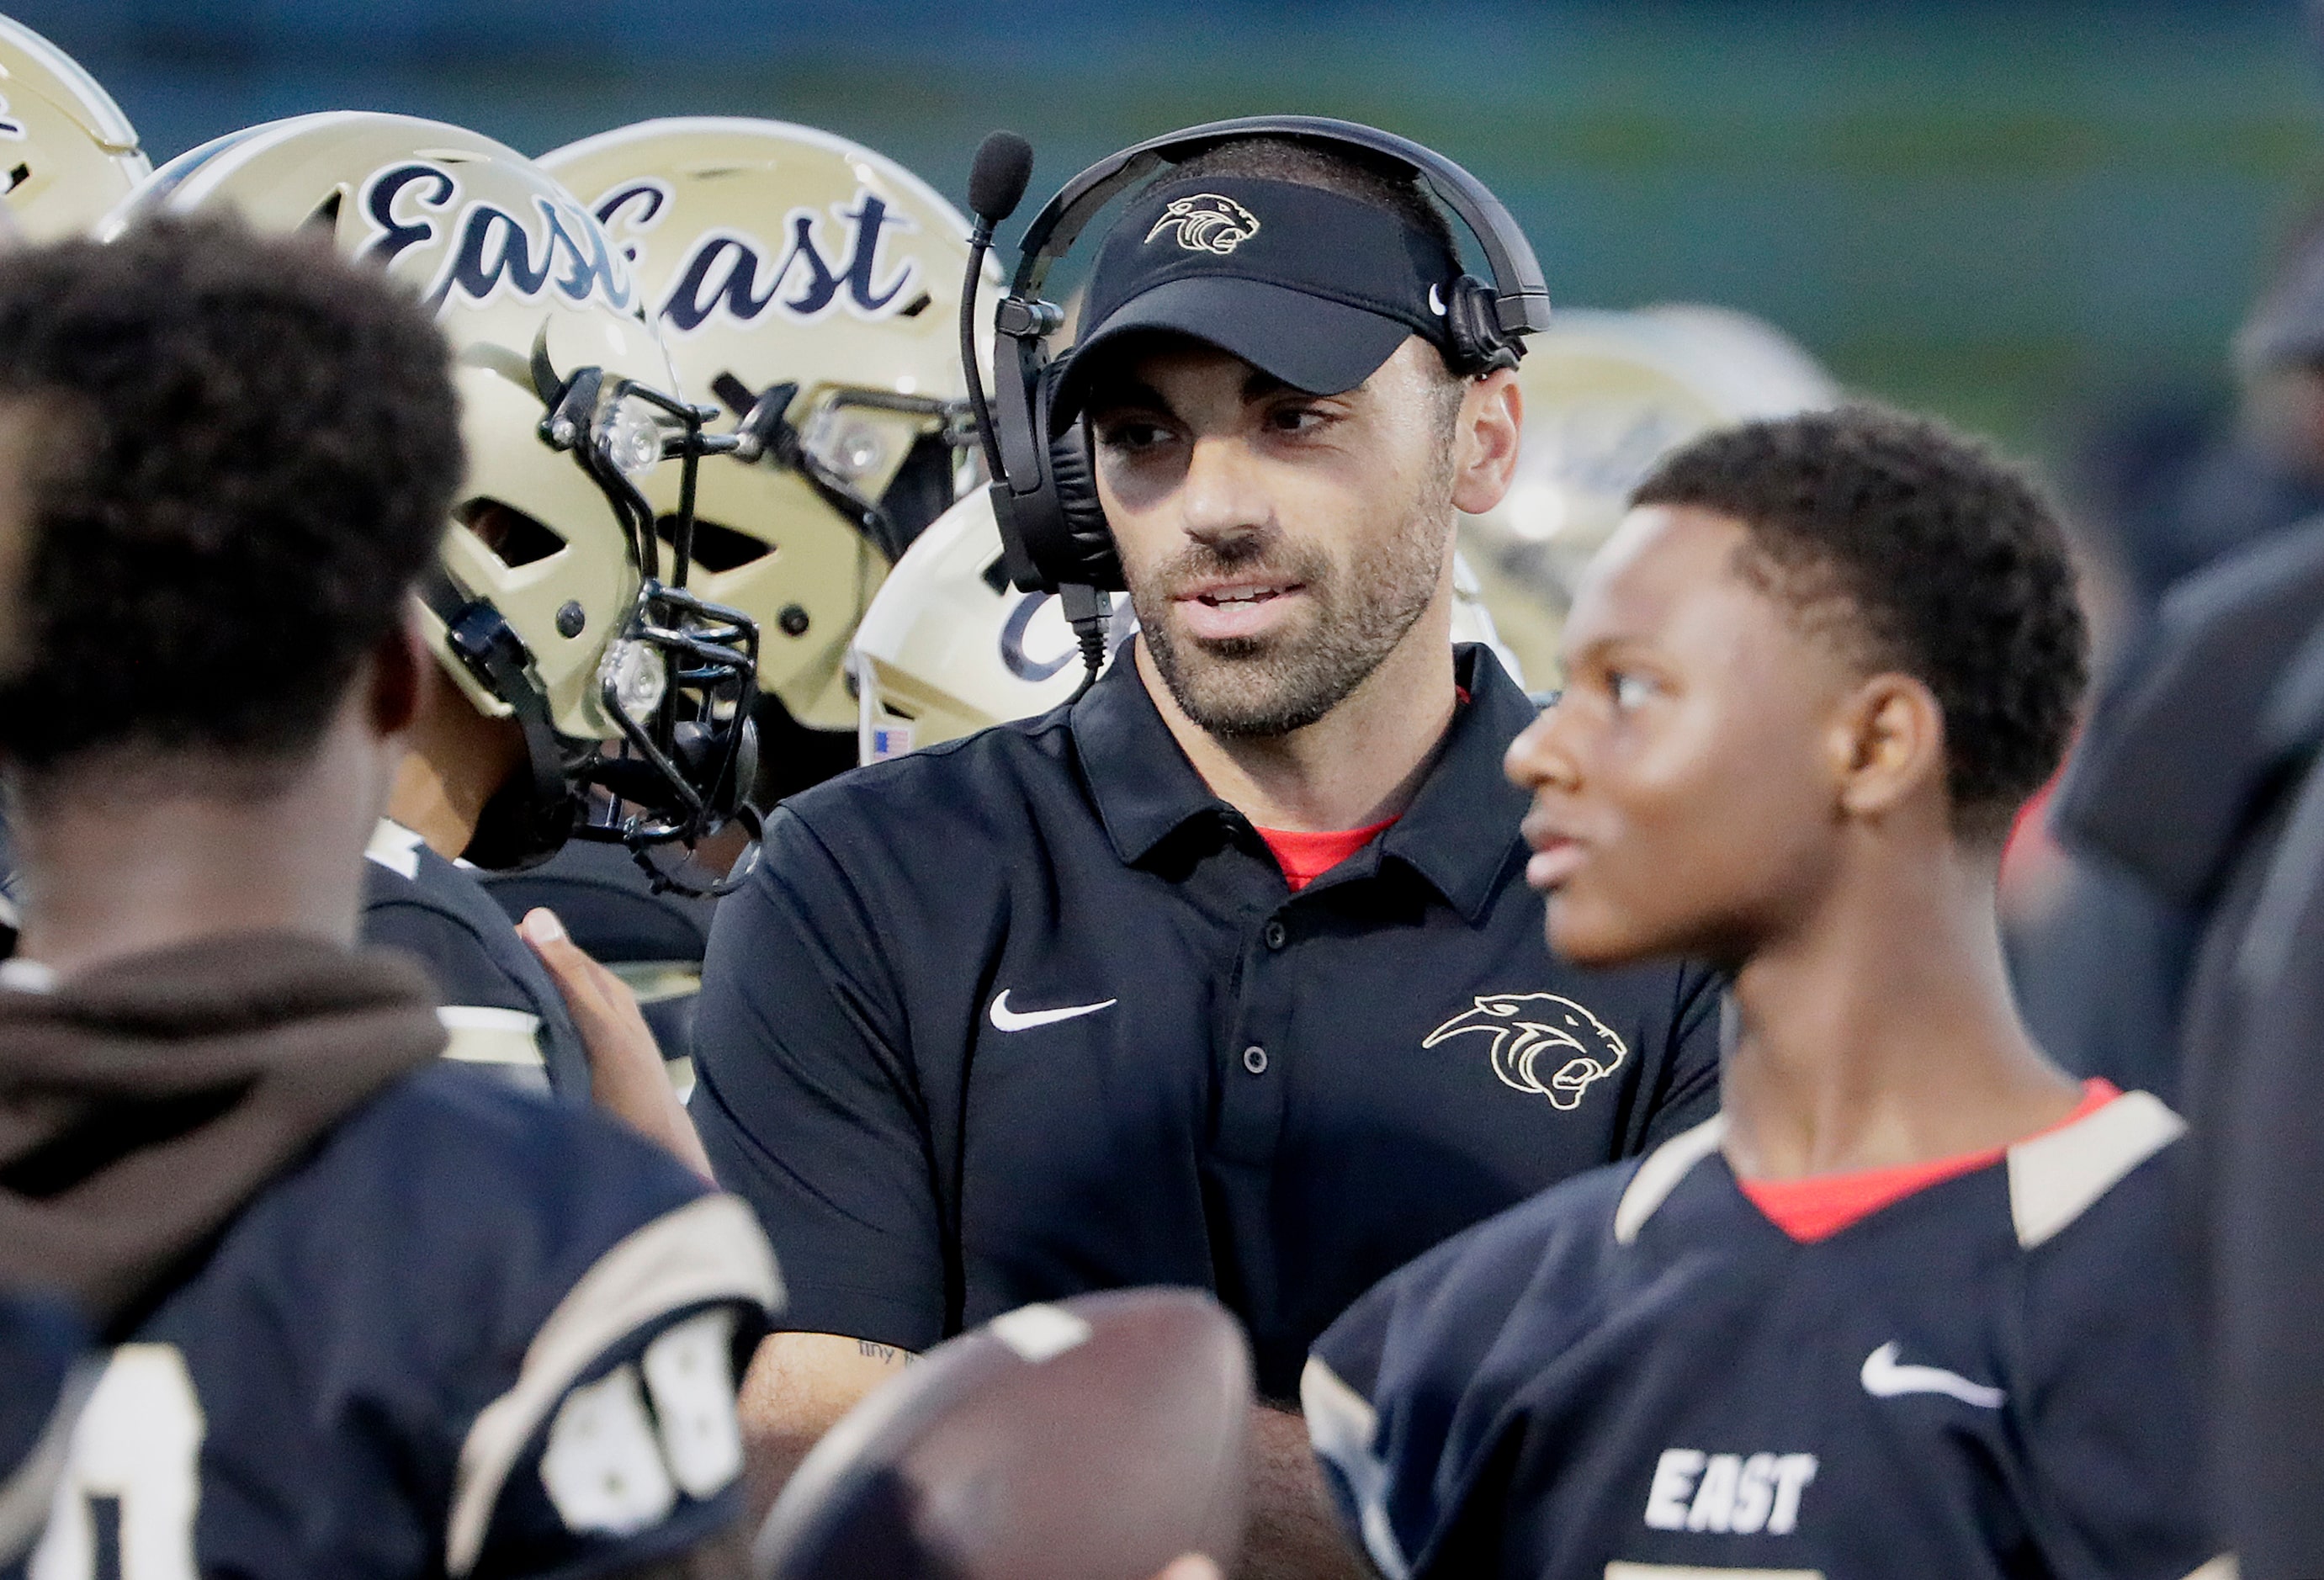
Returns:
(1461,831)
(1459,834)
(1145,788)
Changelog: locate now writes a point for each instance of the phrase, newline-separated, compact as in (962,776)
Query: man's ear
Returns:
(1886,748)
(1492,411)
(401,671)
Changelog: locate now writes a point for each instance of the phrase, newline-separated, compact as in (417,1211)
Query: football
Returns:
(1102,1438)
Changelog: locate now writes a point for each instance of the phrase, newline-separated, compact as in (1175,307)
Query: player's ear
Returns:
(397,675)
(1492,410)
(1887,745)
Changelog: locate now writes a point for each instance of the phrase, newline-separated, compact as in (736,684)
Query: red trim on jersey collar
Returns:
(1820,1206)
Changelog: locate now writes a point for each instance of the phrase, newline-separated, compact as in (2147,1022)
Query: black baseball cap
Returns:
(1312,287)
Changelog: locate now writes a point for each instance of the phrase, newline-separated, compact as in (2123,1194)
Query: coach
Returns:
(1226,974)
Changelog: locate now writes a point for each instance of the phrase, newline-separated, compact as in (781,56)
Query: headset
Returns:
(1052,531)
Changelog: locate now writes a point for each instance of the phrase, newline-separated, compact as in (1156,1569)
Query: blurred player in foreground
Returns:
(1909,1306)
(224,1131)
(44,1378)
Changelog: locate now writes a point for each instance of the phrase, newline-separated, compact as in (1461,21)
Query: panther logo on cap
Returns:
(1207,223)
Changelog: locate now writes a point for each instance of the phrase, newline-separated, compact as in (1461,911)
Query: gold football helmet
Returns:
(1607,395)
(67,152)
(948,647)
(811,287)
(555,602)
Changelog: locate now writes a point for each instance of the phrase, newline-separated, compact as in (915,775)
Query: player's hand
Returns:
(626,1076)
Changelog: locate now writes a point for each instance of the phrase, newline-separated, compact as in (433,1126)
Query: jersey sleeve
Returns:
(1391,1394)
(2114,1431)
(1688,1092)
(492,1016)
(807,1102)
(618,1444)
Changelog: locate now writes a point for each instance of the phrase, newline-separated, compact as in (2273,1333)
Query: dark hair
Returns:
(241,451)
(1940,559)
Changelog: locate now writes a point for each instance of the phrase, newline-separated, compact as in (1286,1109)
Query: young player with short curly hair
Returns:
(1909,1306)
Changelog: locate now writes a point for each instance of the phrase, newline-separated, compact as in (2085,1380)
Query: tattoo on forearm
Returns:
(887,1354)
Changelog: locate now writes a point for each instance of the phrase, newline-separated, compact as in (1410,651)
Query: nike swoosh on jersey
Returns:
(1885,1379)
(1010,1020)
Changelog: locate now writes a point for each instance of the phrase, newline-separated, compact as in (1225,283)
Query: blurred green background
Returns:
(2022,215)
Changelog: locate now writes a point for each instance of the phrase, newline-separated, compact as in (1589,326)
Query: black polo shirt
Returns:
(1035,1013)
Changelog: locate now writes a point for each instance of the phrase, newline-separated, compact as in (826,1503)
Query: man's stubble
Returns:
(1261,688)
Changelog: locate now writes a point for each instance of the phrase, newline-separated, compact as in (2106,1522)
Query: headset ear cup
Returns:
(1083,553)
(1078,507)
(1474,325)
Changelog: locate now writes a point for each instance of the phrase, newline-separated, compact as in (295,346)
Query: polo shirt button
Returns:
(1276,935)
(1254,1058)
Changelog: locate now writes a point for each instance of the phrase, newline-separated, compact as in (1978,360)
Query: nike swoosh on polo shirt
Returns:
(1011,1020)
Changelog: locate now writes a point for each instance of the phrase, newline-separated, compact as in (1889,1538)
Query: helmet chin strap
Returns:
(529,819)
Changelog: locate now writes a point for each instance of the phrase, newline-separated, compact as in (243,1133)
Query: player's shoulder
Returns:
(407,884)
(399,1181)
(2098,1181)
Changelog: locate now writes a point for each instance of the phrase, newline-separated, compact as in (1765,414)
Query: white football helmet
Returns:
(557,603)
(67,152)
(1607,395)
(949,646)
(811,287)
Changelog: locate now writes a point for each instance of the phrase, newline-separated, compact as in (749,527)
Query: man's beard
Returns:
(1263,688)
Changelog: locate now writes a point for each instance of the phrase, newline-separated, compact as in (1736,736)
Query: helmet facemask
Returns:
(676,681)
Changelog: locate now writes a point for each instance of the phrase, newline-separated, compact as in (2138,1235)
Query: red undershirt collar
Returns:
(1819,1206)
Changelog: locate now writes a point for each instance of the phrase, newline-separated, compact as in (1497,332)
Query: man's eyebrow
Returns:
(1260,384)
(1124,390)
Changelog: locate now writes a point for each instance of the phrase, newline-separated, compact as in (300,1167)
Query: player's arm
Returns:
(480,1007)
(616,1445)
(1391,1390)
(809,1107)
(797,1387)
(1295,1533)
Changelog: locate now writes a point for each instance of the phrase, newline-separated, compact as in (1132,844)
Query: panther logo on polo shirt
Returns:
(1541,1043)
(1206,223)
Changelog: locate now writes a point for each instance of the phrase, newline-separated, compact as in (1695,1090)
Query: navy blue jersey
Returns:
(44,1345)
(1637,1374)
(472,1332)
(499,1003)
